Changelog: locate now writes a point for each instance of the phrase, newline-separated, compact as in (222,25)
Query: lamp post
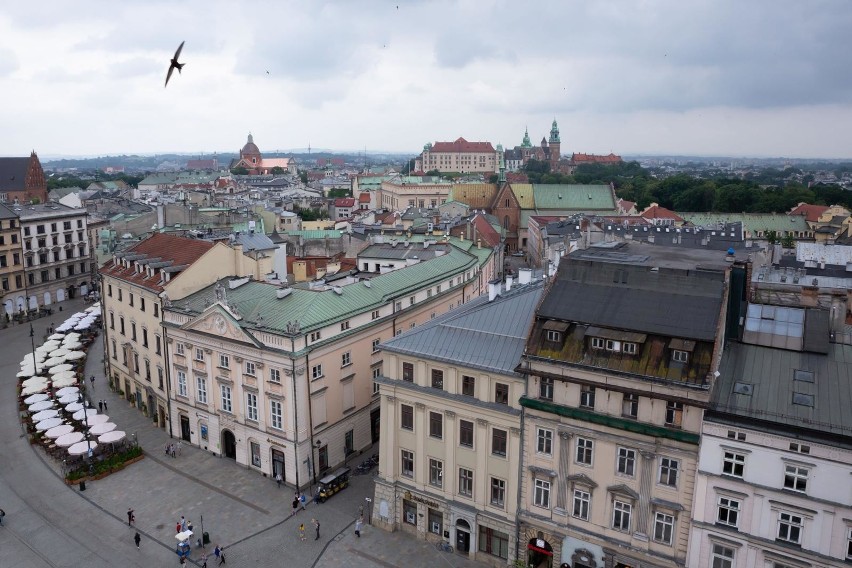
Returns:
(81,400)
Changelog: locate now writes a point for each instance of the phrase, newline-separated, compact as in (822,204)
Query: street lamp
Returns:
(86,422)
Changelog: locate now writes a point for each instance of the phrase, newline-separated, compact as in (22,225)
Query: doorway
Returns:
(278,464)
(462,536)
(184,427)
(229,444)
(375,421)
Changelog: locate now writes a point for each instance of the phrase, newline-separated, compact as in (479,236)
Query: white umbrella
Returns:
(41,405)
(181,536)
(79,315)
(39,357)
(72,335)
(69,439)
(48,423)
(73,406)
(53,361)
(67,374)
(33,389)
(57,431)
(36,398)
(29,372)
(60,368)
(74,355)
(81,448)
(81,326)
(57,337)
(78,415)
(98,419)
(34,381)
(67,399)
(67,390)
(50,344)
(75,344)
(66,382)
(45,414)
(102,428)
(59,352)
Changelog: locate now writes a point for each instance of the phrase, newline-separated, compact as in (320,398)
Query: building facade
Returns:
(22,181)
(451,426)
(401,194)
(11,263)
(459,156)
(620,360)
(281,379)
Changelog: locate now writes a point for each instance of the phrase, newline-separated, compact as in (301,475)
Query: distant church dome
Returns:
(250,149)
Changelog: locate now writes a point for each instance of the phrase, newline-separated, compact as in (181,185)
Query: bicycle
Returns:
(444,546)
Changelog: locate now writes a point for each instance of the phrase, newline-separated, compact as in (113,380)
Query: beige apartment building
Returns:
(459,156)
(136,285)
(621,357)
(11,262)
(402,193)
(451,426)
(281,379)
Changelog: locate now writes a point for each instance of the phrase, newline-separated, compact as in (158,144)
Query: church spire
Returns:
(526,143)
(554,133)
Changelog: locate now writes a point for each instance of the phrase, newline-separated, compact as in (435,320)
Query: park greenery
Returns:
(769,191)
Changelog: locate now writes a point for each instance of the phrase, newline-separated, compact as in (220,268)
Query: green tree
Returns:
(698,198)
(787,241)
(338,192)
(771,237)
(278,170)
(239,171)
(435,173)
(303,175)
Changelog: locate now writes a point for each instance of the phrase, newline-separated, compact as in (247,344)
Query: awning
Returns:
(541,550)
(555,326)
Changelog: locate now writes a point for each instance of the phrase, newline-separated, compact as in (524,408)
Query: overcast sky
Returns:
(741,78)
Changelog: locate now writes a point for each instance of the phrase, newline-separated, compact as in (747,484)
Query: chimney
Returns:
(524,276)
(493,290)
(479,243)
(509,280)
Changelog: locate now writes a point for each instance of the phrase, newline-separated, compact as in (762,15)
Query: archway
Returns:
(9,307)
(229,444)
(72,292)
(33,302)
(462,536)
(47,299)
(539,552)
(60,295)
(21,303)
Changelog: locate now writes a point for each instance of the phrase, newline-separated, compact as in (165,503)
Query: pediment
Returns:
(217,320)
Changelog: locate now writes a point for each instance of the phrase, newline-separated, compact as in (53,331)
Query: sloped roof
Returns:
(477,195)
(13,173)
(480,334)
(344,202)
(655,211)
(462,145)
(810,212)
(750,221)
(575,197)
(364,197)
(525,194)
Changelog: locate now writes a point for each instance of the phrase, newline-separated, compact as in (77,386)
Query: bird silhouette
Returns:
(174,64)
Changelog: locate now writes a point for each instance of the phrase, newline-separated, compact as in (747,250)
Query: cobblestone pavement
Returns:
(51,524)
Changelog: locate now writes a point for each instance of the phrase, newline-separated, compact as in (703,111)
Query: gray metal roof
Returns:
(480,334)
(13,173)
(403,250)
(631,291)
(758,383)
(255,241)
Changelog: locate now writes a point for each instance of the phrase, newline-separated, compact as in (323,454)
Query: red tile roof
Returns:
(364,197)
(810,212)
(595,159)
(654,211)
(462,145)
(344,202)
(179,250)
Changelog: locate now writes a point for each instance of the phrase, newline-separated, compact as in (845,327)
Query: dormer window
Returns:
(680,356)
(612,345)
(681,348)
(629,348)
(554,336)
(598,343)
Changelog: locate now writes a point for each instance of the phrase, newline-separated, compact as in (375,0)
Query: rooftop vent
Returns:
(338,290)
(367,283)
(744,388)
(282,293)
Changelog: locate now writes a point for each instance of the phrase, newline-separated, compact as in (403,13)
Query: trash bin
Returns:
(206,538)
(83,485)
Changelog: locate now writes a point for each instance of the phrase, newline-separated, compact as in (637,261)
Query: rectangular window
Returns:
(436,472)
(545,389)
(201,387)
(131,299)
(630,406)
(251,406)
(199,354)
(466,433)
(541,495)
(790,527)
(346,359)
(407,463)
(275,413)
(545,441)
(668,471)
(224,361)
(493,542)
(553,336)
(436,425)
(465,482)
(144,337)
(680,356)
(141,303)
(587,397)
(179,349)
(436,521)
(626,461)
(849,544)
(581,504)
(795,478)
(408,372)
(722,557)
(250,368)
(437,379)
(376,345)
(156,310)
(133,331)
(498,492)
(344,325)
(733,464)
(501,393)
(181,383)
(468,385)
(255,454)
(585,451)
(409,512)
(598,343)
(274,375)
(375,314)
(316,371)
(629,348)
(407,417)
(674,414)
(315,336)
(663,528)
(728,512)
(225,391)
(158,344)
(621,515)
(498,442)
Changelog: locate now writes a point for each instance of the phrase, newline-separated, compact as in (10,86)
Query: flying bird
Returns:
(174,64)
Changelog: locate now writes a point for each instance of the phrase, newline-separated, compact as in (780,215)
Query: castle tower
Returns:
(555,147)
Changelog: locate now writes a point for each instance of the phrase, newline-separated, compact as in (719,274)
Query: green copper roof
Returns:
(752,222)
(314,234)
(574,197)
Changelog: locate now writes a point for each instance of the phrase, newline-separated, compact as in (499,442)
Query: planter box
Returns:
(105,473)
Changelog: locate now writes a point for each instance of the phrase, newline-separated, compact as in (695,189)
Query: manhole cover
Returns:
(158,527)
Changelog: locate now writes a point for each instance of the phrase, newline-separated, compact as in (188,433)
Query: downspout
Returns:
(520,471)
(310,420)
(168,367)
(295,412)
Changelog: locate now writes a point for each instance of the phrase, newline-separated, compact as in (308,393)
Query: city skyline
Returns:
(634,78)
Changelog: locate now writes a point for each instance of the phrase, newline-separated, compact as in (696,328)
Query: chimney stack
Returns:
(524,276)
(509,280)
(493,290)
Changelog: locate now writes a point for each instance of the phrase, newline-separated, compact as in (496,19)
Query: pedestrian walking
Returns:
(173,451)
(179,446)
(2,514)
(177,527)
(100,406)
(316,524)
(358,524)
(131,518)
(222,556)
(182,523)
(217,551)
(295,503)
(204,561)
(105,406)
(302,532)
(167,448)
(92,380)
(137,539)
(278,480)
(302,500)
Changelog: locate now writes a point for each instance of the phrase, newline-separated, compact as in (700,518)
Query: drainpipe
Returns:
(310,422)
(295,412)
(520,472)
(168,370)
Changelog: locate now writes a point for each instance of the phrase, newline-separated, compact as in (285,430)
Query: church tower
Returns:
(555,147)
(251,153)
